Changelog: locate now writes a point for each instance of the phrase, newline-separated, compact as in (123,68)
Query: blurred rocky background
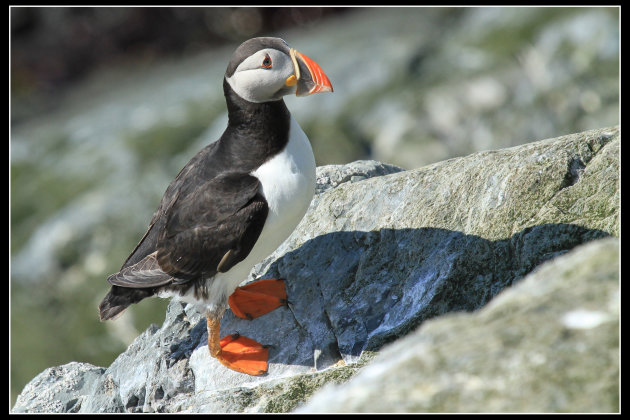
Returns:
(108,103)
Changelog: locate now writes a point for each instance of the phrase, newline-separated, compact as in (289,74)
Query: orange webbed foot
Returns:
(243,355)
(236,352)
(258,298)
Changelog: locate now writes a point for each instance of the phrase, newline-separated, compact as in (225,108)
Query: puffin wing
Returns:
(211,227)
(143,274)
(148,243)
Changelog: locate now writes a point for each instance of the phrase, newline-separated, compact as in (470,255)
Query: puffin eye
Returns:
(266,62)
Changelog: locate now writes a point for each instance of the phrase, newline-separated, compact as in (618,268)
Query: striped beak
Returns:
(309,76)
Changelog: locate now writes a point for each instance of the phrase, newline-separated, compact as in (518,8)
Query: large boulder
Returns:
(374,258)
(548,344)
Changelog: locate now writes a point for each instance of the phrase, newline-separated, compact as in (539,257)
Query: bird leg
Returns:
(258,298)
(236,352)
(240,353)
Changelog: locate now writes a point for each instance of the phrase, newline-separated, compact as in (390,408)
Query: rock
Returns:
(60,389)
(372,260)
(549,344)
(331,176)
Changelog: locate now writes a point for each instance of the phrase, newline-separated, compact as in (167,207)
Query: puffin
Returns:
(231,205)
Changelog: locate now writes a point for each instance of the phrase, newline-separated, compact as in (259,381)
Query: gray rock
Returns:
(372,260)
(331,176)
(549,344)
(61,389)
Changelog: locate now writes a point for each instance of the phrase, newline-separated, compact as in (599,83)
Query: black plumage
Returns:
(211,214)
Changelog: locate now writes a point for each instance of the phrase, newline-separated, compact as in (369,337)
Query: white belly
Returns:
(288,185)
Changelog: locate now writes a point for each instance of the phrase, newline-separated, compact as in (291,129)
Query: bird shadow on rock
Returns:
(352,291)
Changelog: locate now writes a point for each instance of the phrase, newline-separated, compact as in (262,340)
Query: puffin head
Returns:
(266,69)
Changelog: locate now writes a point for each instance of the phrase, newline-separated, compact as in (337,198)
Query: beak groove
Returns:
(315,81)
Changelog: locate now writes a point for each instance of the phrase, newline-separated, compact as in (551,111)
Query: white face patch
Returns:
(255,83)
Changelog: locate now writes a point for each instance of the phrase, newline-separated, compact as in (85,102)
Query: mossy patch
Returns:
(289,395)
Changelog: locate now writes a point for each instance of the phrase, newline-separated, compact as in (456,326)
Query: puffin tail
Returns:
(132,284)
(118,299)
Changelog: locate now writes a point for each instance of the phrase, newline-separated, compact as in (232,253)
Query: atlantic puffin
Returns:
(231,205)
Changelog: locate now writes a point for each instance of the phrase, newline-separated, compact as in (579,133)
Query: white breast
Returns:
(288,185)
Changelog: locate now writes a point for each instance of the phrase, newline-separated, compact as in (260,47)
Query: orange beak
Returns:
(310,76)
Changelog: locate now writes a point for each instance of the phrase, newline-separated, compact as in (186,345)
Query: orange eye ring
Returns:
(267,62)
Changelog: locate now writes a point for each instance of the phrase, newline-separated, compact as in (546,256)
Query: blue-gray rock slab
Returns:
(549,344)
